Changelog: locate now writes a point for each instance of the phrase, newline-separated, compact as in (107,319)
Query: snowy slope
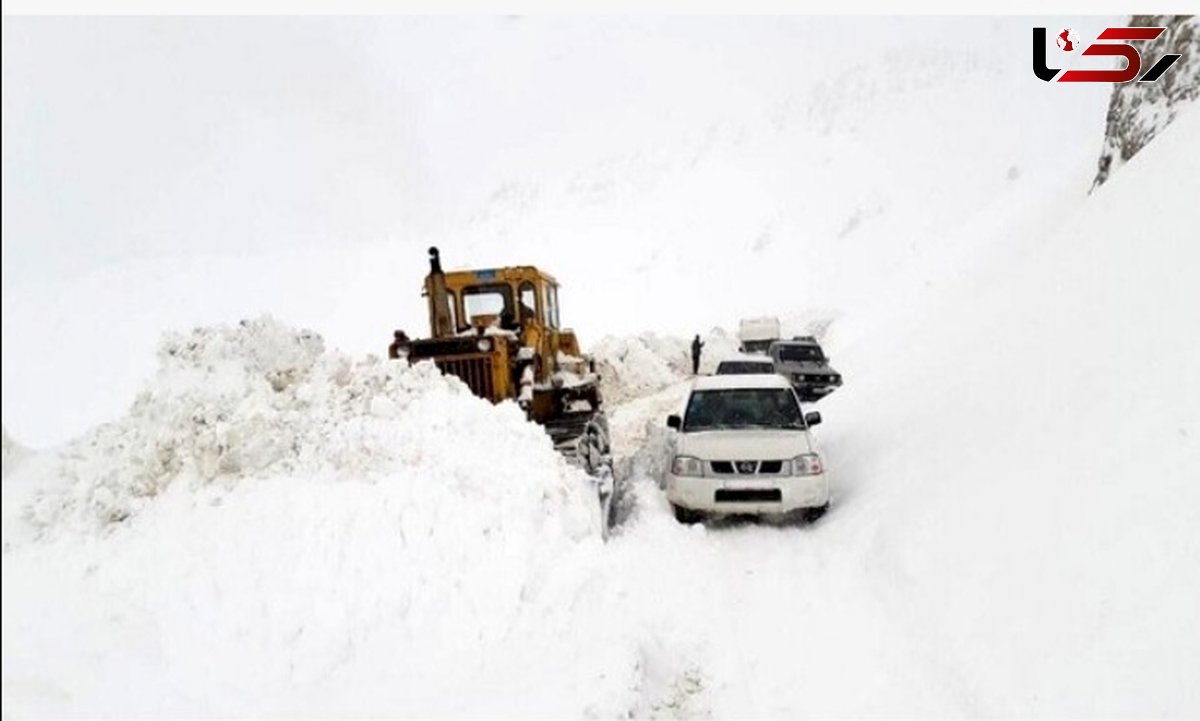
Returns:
(1049,484)
(1013,532)
(13,452)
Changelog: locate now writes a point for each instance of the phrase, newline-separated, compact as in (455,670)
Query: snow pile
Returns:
(633,366)
(641,442)
(629,366)
(274,528)
(14,453)
(263,399)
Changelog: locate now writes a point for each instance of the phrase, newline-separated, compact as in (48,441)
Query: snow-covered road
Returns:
(755,618)
(1013,526)
(274,529)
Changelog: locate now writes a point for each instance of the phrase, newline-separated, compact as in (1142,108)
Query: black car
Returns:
(802,361)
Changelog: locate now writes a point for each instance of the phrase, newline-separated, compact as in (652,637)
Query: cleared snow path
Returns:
(276,530)
(1013,531)
(750,619)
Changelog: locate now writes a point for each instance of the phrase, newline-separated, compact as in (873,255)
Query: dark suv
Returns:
(801,361)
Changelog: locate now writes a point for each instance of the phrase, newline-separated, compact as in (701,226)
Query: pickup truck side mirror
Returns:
(675,422)
(812,419)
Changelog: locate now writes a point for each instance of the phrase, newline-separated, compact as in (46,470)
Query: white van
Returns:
(757,334)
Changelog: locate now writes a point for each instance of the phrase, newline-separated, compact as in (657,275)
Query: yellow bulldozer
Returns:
(499,331)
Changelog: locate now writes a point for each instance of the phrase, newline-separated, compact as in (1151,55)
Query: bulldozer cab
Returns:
(510,297)
(517,300)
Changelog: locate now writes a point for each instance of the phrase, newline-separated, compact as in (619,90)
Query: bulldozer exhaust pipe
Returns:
(439,301)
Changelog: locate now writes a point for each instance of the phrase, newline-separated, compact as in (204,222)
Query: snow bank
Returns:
(634,366)
(264,399)
(274,528)
(14,453)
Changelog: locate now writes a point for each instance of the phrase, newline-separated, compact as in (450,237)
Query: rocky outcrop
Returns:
(1138,111)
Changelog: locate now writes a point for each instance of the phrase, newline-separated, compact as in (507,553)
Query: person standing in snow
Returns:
(697,344)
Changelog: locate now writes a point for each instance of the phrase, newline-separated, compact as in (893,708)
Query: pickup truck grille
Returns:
(746,468)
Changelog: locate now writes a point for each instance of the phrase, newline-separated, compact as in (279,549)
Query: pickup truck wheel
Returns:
(687,515)
(811,515)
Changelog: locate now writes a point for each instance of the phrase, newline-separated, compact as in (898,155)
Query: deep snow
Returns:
(1013,530)
(261,500)
(279,529)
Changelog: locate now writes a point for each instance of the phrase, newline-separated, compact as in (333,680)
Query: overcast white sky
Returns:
(173,136)
(131,138)
(162,172)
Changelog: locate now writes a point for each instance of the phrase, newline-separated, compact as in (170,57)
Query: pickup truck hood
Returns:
(750,444)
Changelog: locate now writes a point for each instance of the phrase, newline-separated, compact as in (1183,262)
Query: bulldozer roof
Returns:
(507,274)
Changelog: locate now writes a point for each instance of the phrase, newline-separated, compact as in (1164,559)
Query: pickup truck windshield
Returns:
(800,353)
(742,408)
(727,368)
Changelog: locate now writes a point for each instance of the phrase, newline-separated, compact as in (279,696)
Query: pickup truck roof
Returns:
(735,382)
(747,358)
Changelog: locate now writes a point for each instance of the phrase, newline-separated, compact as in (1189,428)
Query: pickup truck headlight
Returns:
(808,464)
(687,466)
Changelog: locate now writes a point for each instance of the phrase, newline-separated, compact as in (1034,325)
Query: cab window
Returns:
(487,300)
(800,353)
(452,304)
(552,306)
(528,307)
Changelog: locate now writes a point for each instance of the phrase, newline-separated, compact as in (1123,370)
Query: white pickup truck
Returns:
(743,447)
